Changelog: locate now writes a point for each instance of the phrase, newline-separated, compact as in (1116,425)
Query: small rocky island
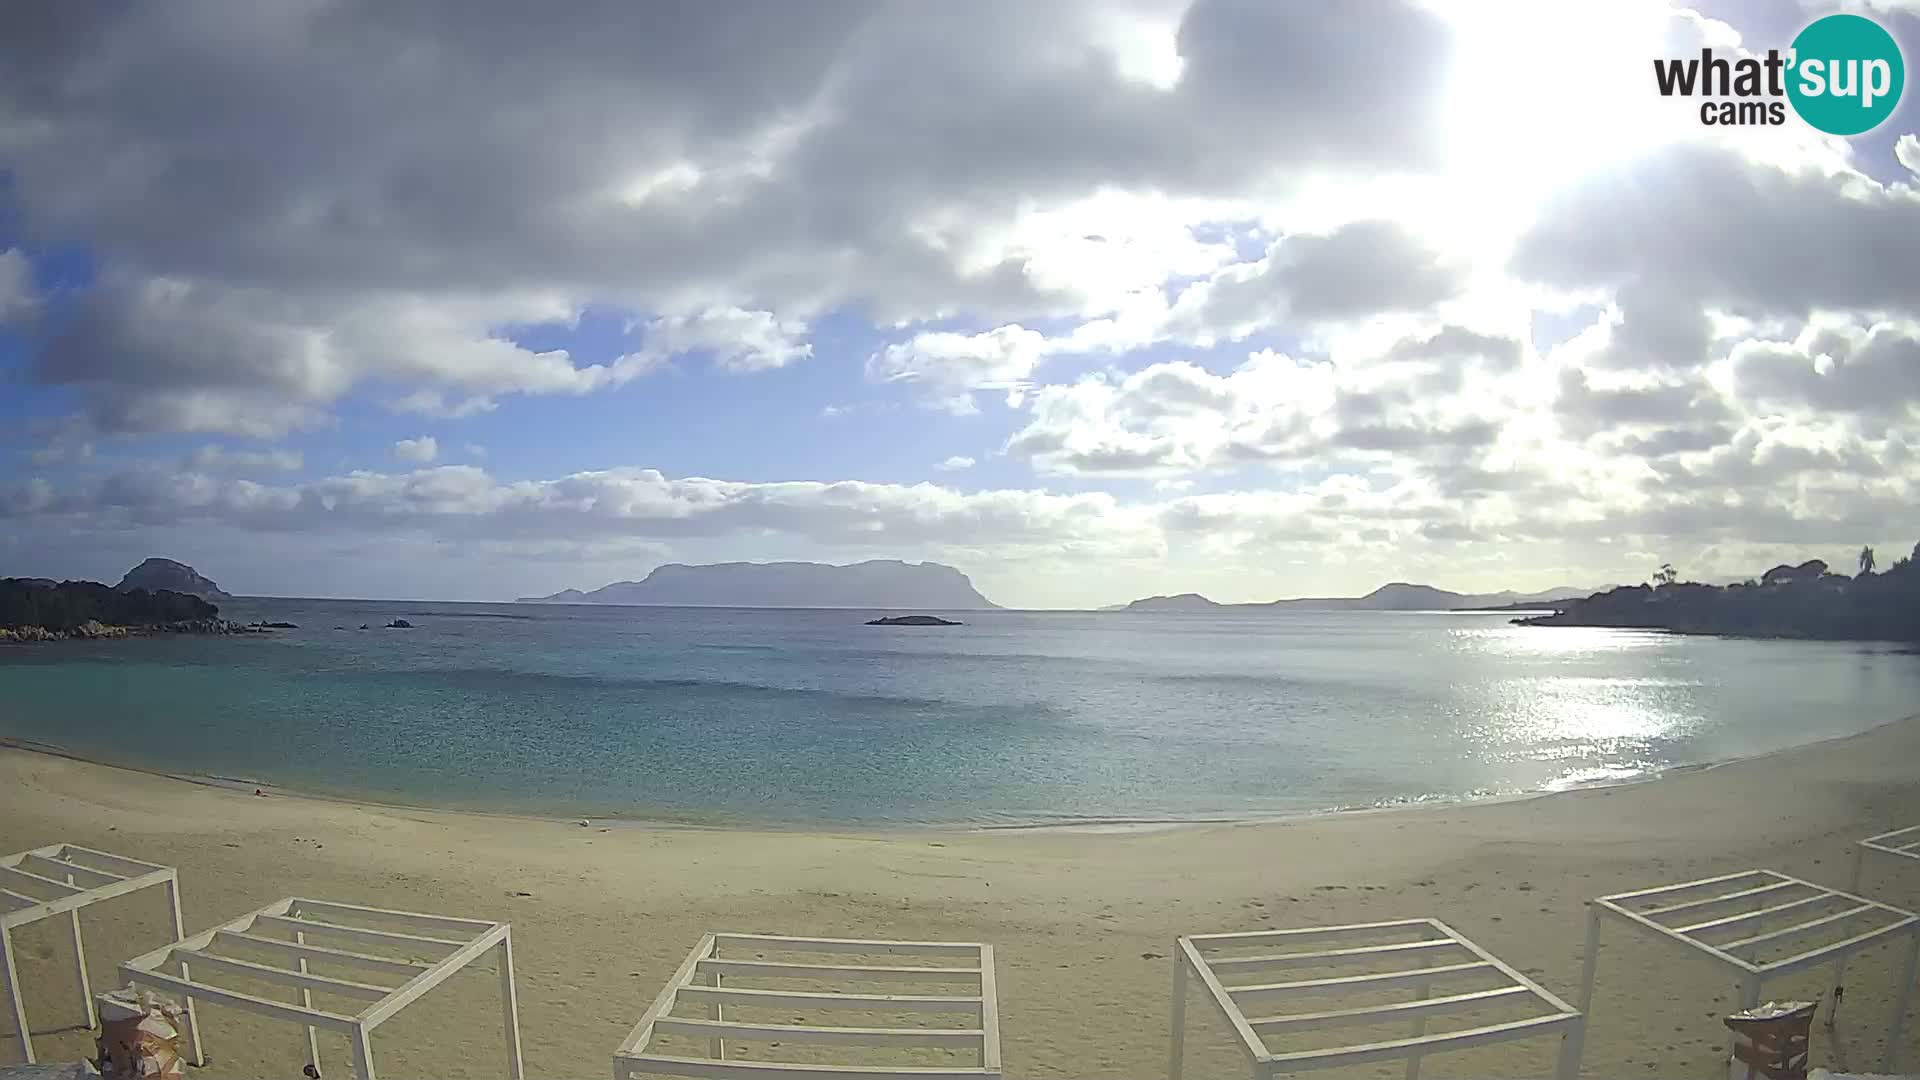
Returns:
(40,609)
(912,620)
(166,575)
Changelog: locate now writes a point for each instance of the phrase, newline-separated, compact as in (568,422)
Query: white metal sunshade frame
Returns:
(1900,843)
(1438,948)
(1724,917)
(289,928)
(60,879)
(699,979)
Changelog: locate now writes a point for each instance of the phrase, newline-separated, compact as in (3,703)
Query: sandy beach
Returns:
(1082,920)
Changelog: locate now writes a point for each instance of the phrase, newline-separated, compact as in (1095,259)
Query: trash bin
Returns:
(1771,1041)
(139,1036)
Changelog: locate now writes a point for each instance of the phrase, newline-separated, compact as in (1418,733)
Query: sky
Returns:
(1092,299)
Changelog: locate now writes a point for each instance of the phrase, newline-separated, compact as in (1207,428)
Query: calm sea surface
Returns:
(810,716)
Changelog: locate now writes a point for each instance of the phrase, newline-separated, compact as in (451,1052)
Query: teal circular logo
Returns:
(1847,74)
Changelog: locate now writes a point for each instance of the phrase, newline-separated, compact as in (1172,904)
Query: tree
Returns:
(1667,575)
(1866,561)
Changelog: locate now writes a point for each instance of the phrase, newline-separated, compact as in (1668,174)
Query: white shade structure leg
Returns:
(60,880)
(16,1004)
(1179,1036)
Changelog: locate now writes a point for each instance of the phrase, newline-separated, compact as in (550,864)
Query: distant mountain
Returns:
(886,584)
(1397,596)
(158,575)
(1509,599)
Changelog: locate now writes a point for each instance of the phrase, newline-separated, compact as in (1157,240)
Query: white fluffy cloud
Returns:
(738,340)
(1176,417)
(950,366)
(1451,345)
(420,451)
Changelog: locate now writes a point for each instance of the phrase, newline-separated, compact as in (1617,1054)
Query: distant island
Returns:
(1807,600)
(878,583)
(1396,596)
(41,609)
(166,575)
(912,620)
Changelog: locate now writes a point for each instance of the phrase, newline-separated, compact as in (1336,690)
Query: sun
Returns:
(1544,91)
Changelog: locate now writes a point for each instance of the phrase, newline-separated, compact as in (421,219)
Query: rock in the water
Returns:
(912,620)
(399,624)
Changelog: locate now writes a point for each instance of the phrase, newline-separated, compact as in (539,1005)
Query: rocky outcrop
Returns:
(66,607)
(94,630)
(169,576)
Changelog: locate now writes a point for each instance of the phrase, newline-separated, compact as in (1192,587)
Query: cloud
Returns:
(1585,409)
(1864,371)
(1907,152)
(1176,417)
(739,341)
(1462,348)
(1455,345)
(313,202)
(422,450)
(18,297)
(1355,413)
(594,507)
(1696,224)
(213,458)
(1764,498)
(955,463)
(950,365)
(60,452)
(1362,269)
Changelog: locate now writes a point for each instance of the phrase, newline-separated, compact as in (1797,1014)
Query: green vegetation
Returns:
(35,610)
(1804,601)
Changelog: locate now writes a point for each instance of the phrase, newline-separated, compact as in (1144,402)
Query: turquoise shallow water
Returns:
(811,717)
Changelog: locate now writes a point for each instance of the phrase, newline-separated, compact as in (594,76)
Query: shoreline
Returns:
(1081,919)
(1116,824)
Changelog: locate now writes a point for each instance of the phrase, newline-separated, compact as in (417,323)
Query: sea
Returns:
(783,717)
